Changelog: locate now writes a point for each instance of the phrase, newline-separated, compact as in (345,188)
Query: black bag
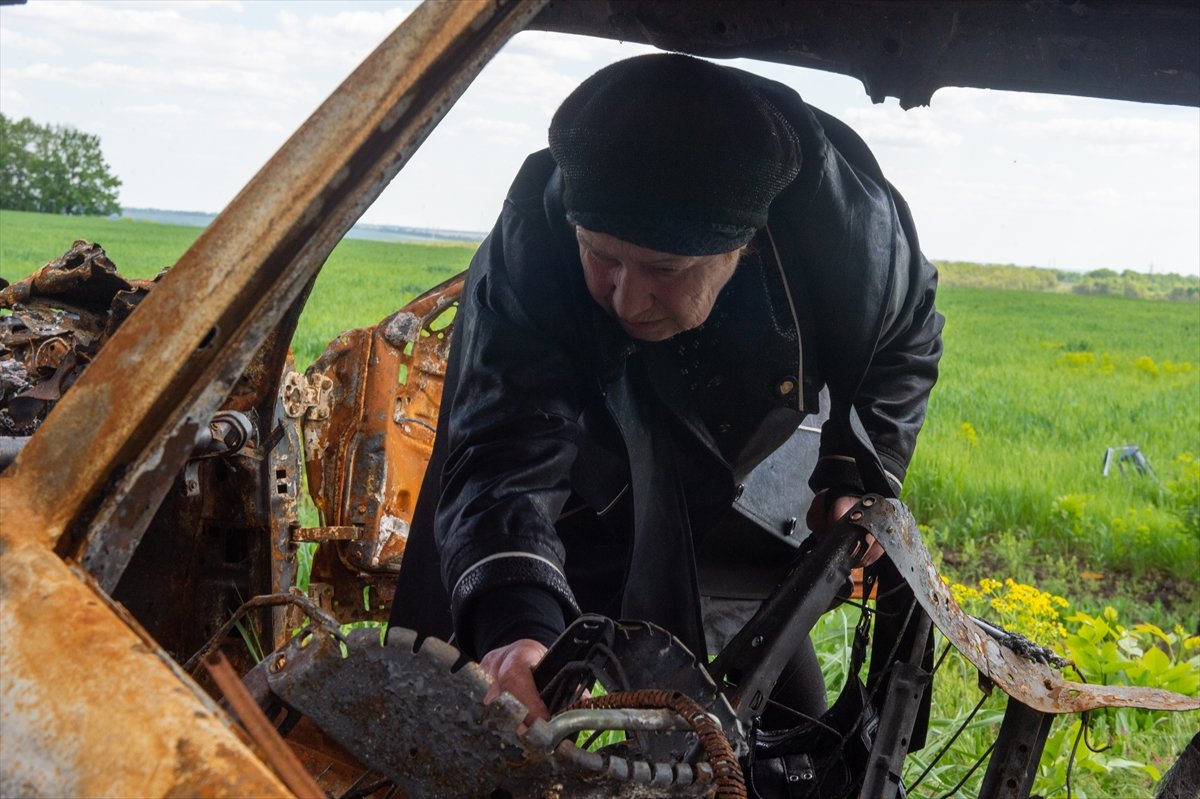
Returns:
(821,759)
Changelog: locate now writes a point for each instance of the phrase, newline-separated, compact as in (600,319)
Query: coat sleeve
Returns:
(880,332)
(891,400)
(512,423)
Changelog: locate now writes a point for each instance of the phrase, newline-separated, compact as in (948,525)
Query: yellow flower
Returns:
(1146,364)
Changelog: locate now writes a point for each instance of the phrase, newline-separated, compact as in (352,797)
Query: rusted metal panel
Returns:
(60,317)
(90,706)
(368,442)
(223,532)
(367,455)
(176,359)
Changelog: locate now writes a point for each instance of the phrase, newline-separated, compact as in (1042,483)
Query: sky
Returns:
(190,99)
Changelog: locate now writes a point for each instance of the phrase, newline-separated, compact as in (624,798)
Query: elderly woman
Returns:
(665,294)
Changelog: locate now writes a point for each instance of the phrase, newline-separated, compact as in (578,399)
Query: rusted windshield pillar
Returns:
(89,704)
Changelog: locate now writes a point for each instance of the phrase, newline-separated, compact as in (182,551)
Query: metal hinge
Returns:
(306,397)
(351,532)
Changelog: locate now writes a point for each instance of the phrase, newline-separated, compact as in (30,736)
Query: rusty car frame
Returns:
(161,490)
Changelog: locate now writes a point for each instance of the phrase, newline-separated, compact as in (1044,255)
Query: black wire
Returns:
(804,717)
(899,587)
(967,776)
(752,737)
(941,657)
(615,662)
(858,723)
(366,790)
(557,692)
(949,743)
(1087,734)
(591,739)
(1074,746)
(891,656)
(354,785)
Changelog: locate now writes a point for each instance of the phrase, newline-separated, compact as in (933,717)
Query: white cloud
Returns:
(1105,195)
(48,73)
(10,98)
(10,38)
(365,26)
(100,21)
(214,79)
(959,106)
(1120,132)
(1032,103)
(256,125)
(496,131)
(884,126)
(578,49)
(157,110)
(521,78)
(183,36)
(235,6)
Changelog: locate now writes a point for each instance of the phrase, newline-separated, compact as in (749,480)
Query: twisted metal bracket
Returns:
(1031,683)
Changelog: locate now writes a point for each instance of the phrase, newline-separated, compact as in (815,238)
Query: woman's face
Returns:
(653,295)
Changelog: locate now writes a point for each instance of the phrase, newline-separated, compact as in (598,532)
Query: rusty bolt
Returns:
(50,353)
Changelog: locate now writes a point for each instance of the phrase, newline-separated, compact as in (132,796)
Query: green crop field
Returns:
(1006,483)
(1034,389)
(362,281)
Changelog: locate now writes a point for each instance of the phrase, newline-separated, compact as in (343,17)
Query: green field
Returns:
(1034,389)
(1007,478)
(362,282)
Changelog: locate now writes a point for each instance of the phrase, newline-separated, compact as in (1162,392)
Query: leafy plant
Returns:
(1109,653)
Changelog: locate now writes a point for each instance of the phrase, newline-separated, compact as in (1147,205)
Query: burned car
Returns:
(157,448)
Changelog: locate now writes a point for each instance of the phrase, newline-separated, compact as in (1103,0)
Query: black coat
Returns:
(549,410)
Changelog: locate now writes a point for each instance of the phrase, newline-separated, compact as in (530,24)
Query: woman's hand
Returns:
(825,512)
(511,670)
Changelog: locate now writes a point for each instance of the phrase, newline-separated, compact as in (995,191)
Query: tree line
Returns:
(1126,283)
(54,169)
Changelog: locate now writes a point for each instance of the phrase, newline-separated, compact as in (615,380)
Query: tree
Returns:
(54,169)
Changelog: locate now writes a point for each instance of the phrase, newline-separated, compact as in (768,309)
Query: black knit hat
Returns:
(672,153)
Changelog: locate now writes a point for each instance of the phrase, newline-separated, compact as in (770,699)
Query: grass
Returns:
(1034,389)
(361,282)
(1006,480)
(140,249)
(364,281)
